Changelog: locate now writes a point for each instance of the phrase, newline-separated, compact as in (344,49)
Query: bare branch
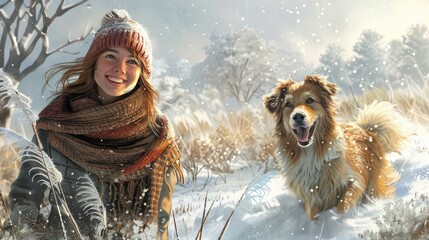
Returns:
(61,10)
(35,18)
(3,36)
(4,5)
(23,26)
(38,22)
(251,92)
(7,21)
(44,54)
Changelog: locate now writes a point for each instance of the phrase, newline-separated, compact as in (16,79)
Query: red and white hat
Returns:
(119,30)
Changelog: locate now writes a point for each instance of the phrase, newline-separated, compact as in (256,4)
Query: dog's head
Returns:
(302,109)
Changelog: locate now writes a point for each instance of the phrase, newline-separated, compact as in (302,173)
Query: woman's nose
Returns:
(120,67)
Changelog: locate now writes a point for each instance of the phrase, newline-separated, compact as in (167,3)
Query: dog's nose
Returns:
(299,118)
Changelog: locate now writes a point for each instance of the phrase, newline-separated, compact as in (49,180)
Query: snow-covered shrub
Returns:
(194,153)
(9,170)
(134,230)
(224,144)
(234,139)
(400,220)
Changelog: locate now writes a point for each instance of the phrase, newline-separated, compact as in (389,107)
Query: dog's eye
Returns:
(288,104)
(309,101)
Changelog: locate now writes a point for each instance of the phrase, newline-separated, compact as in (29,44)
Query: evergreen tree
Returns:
(291,63)
(366,68)
(416,52)
(168,82)
(333,65)
(394,63)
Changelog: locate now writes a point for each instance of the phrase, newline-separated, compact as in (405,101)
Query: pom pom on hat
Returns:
(119,30)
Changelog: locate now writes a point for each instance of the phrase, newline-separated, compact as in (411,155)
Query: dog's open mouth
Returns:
(304,135)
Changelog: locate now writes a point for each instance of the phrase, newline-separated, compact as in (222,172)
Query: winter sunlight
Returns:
(291,119)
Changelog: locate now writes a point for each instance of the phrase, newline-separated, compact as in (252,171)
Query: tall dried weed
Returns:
(412,101)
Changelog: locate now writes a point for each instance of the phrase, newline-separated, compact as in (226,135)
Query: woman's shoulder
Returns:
(163,125)
(160,118)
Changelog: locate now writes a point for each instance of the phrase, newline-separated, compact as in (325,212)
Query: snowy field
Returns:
(269,211)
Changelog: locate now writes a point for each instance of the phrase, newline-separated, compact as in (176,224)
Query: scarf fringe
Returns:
(138,199)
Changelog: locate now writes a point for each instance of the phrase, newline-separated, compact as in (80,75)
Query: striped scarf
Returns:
(115,142)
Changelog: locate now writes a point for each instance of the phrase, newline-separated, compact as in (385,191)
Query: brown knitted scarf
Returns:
(116,143)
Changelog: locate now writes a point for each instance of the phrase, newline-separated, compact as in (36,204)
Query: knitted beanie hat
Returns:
(119,30)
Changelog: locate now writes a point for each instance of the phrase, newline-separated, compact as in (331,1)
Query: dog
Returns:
(327,164)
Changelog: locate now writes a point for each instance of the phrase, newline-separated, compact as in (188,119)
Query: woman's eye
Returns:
(110,56)
(288,104)
(134,62)
(309,101)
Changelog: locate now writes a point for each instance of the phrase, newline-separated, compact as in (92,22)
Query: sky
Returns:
(181,29)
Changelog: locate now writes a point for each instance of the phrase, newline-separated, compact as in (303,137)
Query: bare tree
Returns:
(24,34)
(241,64)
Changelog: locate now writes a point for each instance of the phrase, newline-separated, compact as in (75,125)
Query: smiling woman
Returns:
(115,150)
(116,73)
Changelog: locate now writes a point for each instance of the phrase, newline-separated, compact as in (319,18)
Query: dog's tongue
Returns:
(302,134)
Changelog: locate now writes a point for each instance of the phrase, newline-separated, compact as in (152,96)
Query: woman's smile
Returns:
(115,80)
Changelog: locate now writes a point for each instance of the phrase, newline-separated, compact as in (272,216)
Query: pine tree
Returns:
(169,85)
(394,63)
(366,69)
(333,65)
(416,52)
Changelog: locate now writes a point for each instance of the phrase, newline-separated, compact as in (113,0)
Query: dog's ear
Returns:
(273,101)
(322,82)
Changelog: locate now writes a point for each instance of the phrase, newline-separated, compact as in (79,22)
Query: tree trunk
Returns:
(24,42)
(5,115)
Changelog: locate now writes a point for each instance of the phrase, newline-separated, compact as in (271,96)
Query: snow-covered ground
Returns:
(269,211)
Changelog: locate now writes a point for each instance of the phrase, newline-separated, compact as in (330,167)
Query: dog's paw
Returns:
(343,207)
(315,217)
(313,214)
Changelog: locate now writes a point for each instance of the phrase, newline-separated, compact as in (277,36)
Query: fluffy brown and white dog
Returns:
(326,164)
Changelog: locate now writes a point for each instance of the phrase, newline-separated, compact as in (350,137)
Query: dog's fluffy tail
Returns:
(390,127)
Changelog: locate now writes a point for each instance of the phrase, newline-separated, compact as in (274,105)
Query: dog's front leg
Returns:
(351,195)
(311,210)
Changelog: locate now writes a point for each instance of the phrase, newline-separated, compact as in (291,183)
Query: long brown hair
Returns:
(78,77)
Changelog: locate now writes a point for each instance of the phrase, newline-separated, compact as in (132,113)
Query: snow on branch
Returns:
(25,26)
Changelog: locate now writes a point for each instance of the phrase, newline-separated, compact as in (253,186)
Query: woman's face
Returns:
(116,73)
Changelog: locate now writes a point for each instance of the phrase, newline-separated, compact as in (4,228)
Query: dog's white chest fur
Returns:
(318,179)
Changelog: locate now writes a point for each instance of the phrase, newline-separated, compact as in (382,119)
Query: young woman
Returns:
(106,136)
